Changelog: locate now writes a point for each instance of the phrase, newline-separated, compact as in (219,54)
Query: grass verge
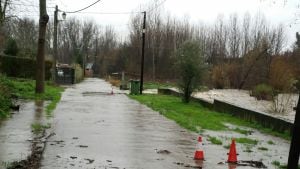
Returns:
(195,117)
(25,89)
(38,128)
(244,140)
(278,165)
(215,140)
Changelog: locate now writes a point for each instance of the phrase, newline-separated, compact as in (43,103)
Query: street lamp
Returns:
(64,15)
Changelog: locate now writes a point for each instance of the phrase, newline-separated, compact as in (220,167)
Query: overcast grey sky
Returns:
(205,11)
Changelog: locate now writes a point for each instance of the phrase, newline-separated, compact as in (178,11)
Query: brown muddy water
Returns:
(16,133)
(94,129)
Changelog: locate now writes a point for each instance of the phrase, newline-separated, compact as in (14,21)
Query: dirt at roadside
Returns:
(34,160)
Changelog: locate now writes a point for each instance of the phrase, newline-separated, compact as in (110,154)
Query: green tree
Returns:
(190,67)
(11,47)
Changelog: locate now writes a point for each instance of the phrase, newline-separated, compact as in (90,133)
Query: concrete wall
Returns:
(243,113)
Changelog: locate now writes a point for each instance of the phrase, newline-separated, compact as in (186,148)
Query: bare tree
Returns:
(26,37)
(246,34)
(234,37)
(4,6)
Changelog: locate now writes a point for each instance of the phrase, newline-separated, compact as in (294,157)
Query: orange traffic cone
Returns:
(199,154)
(232,155)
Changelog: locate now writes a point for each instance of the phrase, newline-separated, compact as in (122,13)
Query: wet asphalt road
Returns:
(97,130)
(16,131)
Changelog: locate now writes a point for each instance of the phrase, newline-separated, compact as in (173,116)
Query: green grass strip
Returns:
(195,117)
(25,89)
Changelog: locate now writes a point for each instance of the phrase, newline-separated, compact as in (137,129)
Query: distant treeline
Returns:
(240,51)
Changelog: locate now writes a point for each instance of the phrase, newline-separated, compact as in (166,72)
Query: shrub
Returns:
(226,75)
(5,96)
(218,77)
(11,47)
(22,67)
(281,75)
(263,92)
(190,66)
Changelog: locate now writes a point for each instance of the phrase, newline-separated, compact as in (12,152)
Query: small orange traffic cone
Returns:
(232,155)
(199,154)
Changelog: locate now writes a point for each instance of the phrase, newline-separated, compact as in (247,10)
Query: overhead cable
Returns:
(84,7)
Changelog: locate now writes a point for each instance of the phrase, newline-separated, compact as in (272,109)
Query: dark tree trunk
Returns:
(40,68)
(295,143)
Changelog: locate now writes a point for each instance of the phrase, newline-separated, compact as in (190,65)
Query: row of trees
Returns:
(236,49)
(240,51)
(78,41)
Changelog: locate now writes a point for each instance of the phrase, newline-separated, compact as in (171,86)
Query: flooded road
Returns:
(98,130)
(16,131)
(94,129)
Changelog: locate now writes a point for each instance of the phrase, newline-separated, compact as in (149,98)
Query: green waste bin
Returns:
(134,87)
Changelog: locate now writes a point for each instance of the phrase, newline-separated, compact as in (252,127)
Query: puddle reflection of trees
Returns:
(39,109)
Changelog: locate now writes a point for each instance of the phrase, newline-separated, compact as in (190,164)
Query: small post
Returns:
(143,54)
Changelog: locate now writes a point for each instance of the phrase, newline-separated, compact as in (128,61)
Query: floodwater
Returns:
(243,99)
(94,129)
(15,132)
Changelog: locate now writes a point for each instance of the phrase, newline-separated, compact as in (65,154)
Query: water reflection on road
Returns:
(15,132)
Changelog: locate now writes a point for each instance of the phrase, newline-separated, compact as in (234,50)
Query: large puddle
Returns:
(15,132)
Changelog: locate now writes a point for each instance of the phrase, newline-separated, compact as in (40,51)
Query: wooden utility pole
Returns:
(143,54)
(55,44)
(40,58)
(295,142)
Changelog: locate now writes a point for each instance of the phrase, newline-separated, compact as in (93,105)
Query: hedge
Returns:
(22,67)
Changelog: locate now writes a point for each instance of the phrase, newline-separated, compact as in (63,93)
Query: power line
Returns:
(110,13)
(85,7)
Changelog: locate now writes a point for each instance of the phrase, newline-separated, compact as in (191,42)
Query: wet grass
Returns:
(156,85)
(195,117)
(244,140)
(214,140)
(38,127)
(25,89)
(270,142)
(242,131)
(227,146)
(278,165)
(263,148)
(248,149)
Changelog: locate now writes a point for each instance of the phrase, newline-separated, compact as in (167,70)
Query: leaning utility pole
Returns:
(55,44)
(295,142)
(143,54)
(40,58)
